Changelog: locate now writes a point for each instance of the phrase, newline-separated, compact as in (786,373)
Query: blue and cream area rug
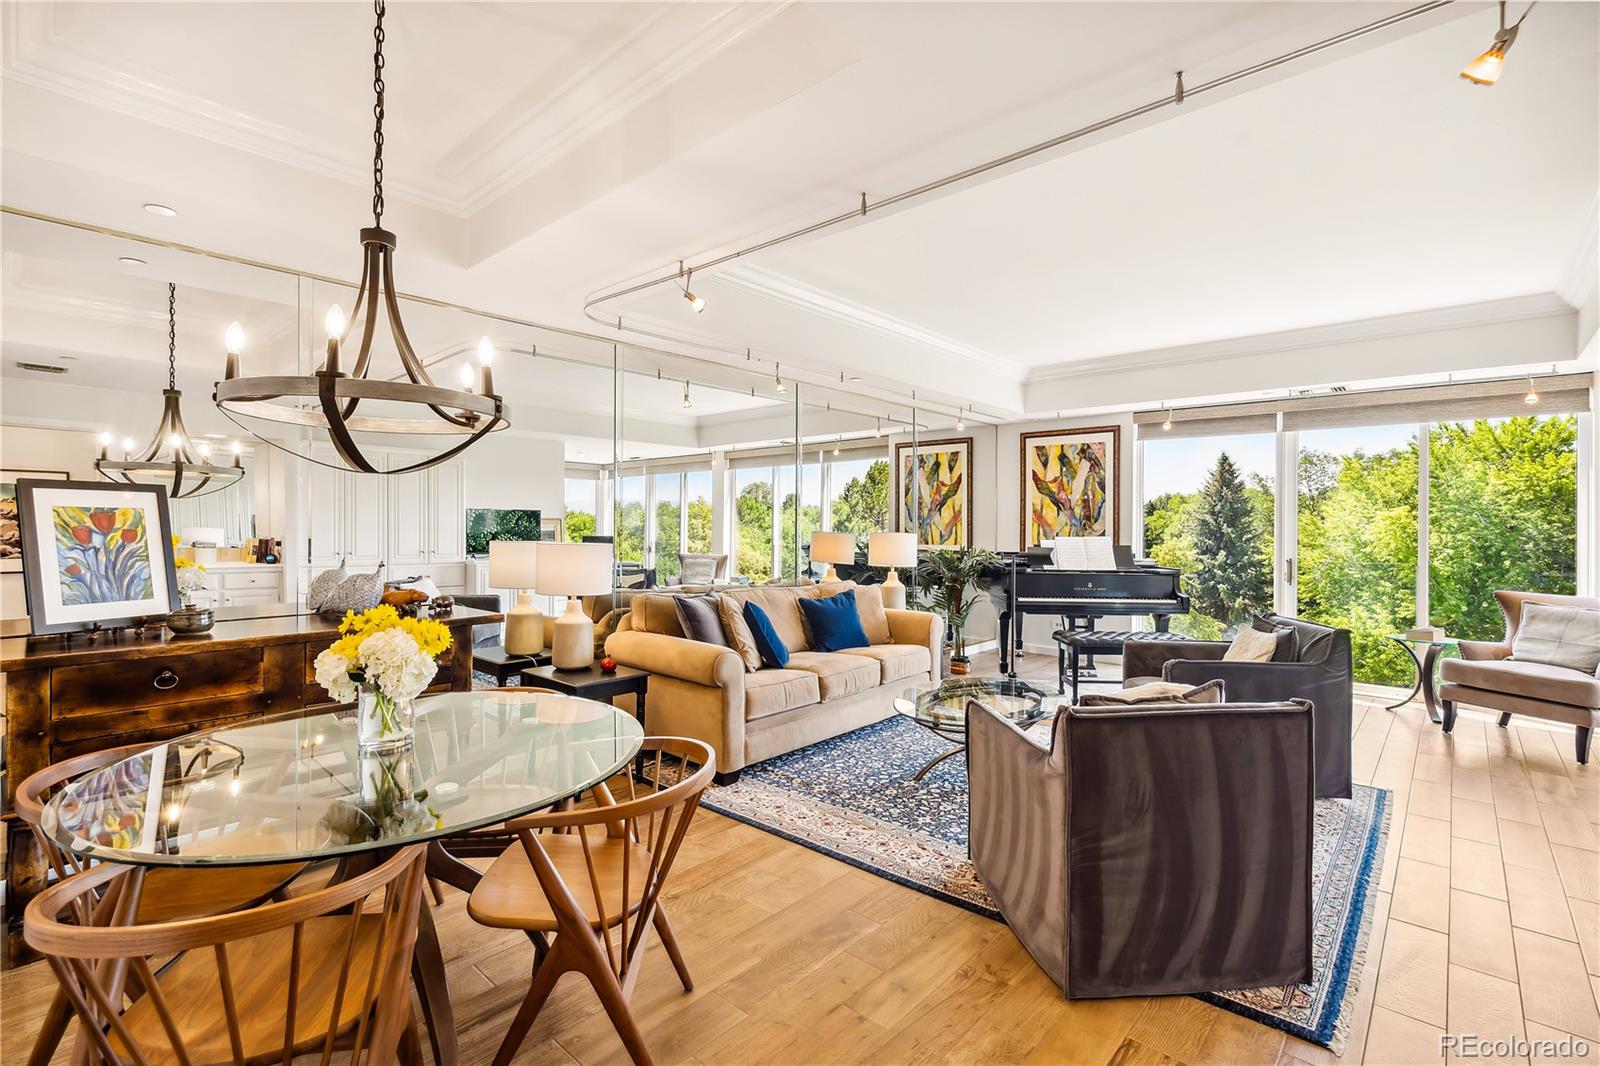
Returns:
(852,797)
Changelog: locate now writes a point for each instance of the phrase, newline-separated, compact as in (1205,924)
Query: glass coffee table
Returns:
(1426,664)
(941,707)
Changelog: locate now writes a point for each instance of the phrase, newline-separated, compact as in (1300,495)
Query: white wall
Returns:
(516,472)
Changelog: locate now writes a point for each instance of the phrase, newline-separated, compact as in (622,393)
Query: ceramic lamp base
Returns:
(831,575)
(894,593)
(573,646)
(524,627)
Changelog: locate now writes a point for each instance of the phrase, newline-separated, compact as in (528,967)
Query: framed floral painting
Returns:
(10,523)
(1069,484)
(942,514)
(95,553)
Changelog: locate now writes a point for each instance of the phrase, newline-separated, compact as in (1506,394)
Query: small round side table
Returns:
(1425,668)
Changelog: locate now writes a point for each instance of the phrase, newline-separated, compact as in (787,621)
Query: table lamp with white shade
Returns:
(514,564)
(892,550)
(832,548)
(574,570)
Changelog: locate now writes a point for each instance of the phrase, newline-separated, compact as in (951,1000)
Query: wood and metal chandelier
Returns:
(171,459)
(331,399)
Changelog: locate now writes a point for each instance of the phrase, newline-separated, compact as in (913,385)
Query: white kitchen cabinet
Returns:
(325,515)
(449,513)
(410,519)
(411,522)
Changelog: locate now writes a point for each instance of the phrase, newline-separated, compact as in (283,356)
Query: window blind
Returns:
(1500,398)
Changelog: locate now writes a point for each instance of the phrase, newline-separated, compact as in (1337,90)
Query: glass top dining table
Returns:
(295,789)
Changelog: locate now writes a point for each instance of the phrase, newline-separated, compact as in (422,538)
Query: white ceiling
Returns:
(536,153)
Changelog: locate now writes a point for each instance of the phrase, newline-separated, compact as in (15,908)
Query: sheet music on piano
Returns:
(1083,553)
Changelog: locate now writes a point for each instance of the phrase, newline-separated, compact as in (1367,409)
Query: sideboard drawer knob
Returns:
(166,679)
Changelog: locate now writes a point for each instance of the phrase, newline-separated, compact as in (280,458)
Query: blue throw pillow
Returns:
(834,622)
(773,651)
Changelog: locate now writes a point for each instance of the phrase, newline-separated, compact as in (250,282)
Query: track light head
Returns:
(696,302)
(687,402)
(1533,396)
(1166,423)
(1486,69)
(777,378)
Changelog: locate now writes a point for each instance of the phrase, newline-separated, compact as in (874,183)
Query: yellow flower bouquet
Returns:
(383,662)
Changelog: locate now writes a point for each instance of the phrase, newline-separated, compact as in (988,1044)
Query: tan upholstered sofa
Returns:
(708,692)
(1486,676)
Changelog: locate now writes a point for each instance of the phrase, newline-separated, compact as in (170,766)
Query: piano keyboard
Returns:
(1091,599)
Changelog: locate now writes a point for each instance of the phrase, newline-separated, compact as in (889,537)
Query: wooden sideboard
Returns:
(64,697)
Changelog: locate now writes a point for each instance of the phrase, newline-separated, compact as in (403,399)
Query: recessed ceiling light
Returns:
(161,209)
(132,261)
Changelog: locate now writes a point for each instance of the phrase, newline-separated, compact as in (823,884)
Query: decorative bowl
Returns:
(188,621)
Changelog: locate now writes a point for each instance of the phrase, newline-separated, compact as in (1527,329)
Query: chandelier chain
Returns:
(377,115)
(172,335)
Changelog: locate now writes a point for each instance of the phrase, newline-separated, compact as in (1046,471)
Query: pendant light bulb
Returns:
(127,445)
(237,447)
(465,375)
(961,422)
(1486,69)
(485,352)
(696,302)
(204,447)
(234,338)
(105,438)
(836,441)
(174,441)
(687,402)
(1166,423)
(1533,396)
(334,322)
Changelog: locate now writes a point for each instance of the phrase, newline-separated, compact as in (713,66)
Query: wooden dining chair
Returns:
(593,878)
(169,893)
(324,971)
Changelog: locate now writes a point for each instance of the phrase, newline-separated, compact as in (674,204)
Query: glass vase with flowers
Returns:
(382,662)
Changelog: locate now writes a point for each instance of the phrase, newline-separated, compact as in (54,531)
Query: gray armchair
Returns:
(1150,850)
(1316,668)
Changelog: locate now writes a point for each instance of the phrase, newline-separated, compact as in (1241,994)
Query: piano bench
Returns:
(1071,644)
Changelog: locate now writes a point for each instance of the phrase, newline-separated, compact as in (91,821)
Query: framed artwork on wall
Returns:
(1069,484)
(943,479)
(10,523)
(550,529)
(95,553)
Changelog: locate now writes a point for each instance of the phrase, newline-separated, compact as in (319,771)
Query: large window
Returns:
(630,520)
(697,494)
(860,495)
(1503,514)
(669,518)
(753,522)
(803,510)
(582,504)
(1209,512)
(1358,541)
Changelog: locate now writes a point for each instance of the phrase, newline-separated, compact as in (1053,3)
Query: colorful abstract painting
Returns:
(936,493)
(1069,484)
(102,554)
(95,554)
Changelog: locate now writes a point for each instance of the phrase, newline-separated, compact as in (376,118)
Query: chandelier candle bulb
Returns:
(486,365)
(335,325)
(233,339)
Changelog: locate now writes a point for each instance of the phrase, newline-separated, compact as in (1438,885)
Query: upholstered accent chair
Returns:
(1152,849)
(490,601)
(1486,676)
(696,568)
(1318,669)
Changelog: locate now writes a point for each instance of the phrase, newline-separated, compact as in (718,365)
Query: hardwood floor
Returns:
(1487,921)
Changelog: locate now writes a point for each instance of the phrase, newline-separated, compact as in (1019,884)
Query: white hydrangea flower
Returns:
(394,663)
(333,674)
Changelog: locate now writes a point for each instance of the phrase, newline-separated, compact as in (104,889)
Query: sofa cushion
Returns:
(1251,646)
(782,607)
(833,622)
(775,691)
(1288,647)
(656,612)
(1156,692)
(1553,684)
(774,651)
(1568,637)
(896,661)
(874,619)
(839,674)
(700,619)
(737,630)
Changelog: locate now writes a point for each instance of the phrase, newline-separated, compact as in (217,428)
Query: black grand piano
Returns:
(1024,583)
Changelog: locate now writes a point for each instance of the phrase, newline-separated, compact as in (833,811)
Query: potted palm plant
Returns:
(944,582)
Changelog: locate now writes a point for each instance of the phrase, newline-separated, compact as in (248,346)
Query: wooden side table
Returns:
(592,683)
(495,660)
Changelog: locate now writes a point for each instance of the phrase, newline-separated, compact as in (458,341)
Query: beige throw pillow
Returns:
(1251,646)
(1558,636)
(1157,692)
(737,630)
(874,620)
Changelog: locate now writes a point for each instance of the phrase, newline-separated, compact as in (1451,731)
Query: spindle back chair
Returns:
(338,960)
(594,876)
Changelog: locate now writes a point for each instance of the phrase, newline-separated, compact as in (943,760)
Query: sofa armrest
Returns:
(1147,658)
(687,660)
(1484,649)
(1243,682)
(922,628)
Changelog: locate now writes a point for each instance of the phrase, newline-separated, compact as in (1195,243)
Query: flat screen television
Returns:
(485,524)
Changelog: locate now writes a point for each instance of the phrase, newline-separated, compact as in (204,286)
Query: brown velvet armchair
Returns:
(1486,676)
(1150,850)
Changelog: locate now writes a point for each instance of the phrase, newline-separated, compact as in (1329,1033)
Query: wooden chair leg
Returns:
(544,981)
(609,989)
(411,1043)
(51,1030)
(670,942)
(1584,734)
(436,891)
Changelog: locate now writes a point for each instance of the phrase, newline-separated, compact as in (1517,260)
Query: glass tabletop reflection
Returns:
(295,789)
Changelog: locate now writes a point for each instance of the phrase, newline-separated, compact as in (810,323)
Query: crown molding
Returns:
(519,140)
(1581,280)
(1462,316)
(771,285)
